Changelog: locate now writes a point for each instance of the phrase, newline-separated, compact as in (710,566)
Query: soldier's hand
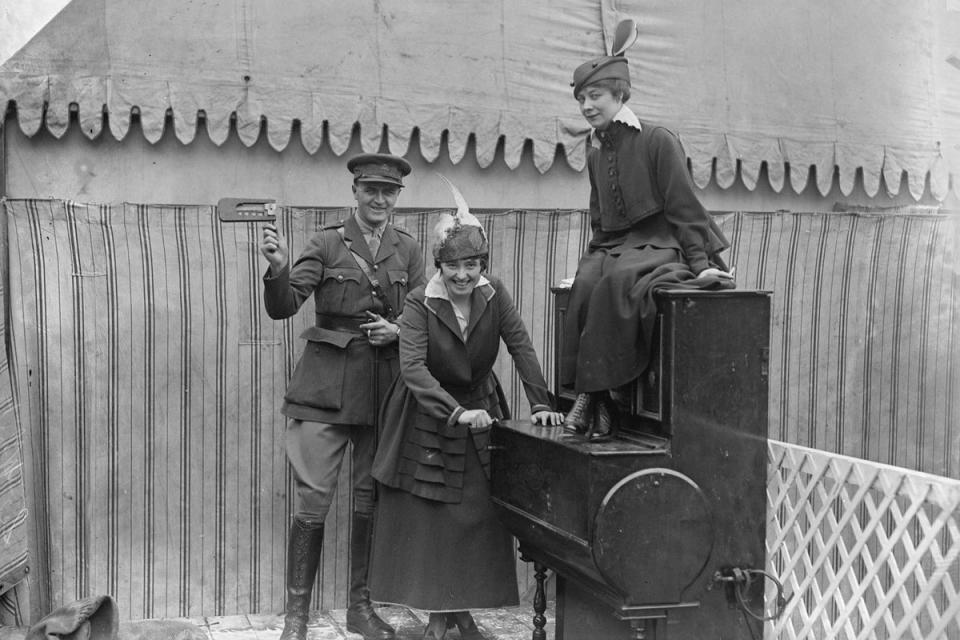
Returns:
(273,246)
(379,330)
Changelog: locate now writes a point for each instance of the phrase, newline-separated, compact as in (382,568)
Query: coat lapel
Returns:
(443,309)
(353,238)
(478,304)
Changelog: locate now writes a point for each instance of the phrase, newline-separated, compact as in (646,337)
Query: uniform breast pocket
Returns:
(399,281)
(340,290)
(317,381)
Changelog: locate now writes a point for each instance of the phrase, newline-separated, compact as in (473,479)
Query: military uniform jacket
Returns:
(340,378)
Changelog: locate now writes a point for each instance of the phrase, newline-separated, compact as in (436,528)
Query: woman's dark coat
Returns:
(421,448)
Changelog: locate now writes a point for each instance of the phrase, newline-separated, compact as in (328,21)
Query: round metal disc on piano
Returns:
(653,535)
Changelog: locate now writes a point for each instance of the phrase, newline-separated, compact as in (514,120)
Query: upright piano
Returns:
(657,533)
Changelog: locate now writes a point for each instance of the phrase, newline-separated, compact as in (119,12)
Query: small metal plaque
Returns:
(247,209)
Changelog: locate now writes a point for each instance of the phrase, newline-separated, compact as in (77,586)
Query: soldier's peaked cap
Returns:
(378,167)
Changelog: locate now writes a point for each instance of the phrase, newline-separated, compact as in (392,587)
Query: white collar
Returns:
(625,116)
(628,117)
(436,289)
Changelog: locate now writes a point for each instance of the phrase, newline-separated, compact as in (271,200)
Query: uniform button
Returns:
(340,278)
(403,281)
(375,267)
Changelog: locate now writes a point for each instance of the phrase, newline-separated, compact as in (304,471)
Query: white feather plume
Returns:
(448,222)
(463,209)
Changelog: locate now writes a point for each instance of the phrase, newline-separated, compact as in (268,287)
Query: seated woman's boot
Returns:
(608,419)
(579,417)
(466,625)
(436,627)
(621,396)
(606,422)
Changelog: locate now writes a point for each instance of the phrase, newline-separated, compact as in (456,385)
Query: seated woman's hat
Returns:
(378,167)
(602,68)
(612,66)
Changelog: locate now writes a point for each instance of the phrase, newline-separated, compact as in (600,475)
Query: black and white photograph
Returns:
(499,320)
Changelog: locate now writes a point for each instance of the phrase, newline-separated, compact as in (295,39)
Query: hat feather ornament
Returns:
(458,235)
(624,36)
(462,206)
(612,66)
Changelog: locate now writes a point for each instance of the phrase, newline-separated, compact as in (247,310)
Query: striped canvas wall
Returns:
(14,516)
(149,377)
(865,343)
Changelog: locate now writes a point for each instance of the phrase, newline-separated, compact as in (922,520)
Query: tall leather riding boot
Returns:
(303,556)
(361,616)
(580,414)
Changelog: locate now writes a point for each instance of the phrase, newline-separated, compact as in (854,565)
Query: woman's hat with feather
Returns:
(612,66)
(458,235)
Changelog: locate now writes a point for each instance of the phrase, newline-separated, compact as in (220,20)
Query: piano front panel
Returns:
(648,550)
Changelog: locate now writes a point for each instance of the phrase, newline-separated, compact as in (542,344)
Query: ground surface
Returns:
(515,623)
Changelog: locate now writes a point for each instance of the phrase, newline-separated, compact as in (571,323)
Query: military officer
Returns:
(358,272)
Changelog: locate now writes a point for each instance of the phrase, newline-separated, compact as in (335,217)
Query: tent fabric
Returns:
(157,375)
(861,86)
(14,515)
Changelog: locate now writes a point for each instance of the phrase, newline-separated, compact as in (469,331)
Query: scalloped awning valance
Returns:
(860,85)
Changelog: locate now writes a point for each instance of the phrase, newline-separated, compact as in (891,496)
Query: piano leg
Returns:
(640,629)
(539,602)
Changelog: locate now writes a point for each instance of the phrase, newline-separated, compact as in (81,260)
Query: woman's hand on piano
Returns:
(475,419)
(716,273)
(547,418)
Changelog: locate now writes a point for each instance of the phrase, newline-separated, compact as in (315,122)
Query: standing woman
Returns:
(438,544)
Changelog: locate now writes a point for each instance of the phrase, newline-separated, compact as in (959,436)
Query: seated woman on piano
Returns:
(438,544)
(649,231)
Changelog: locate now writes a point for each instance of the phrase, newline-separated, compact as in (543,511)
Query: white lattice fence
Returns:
(863,550)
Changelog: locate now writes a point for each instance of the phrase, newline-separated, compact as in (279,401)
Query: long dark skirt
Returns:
(612,311)
(439,556)
(611,314)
